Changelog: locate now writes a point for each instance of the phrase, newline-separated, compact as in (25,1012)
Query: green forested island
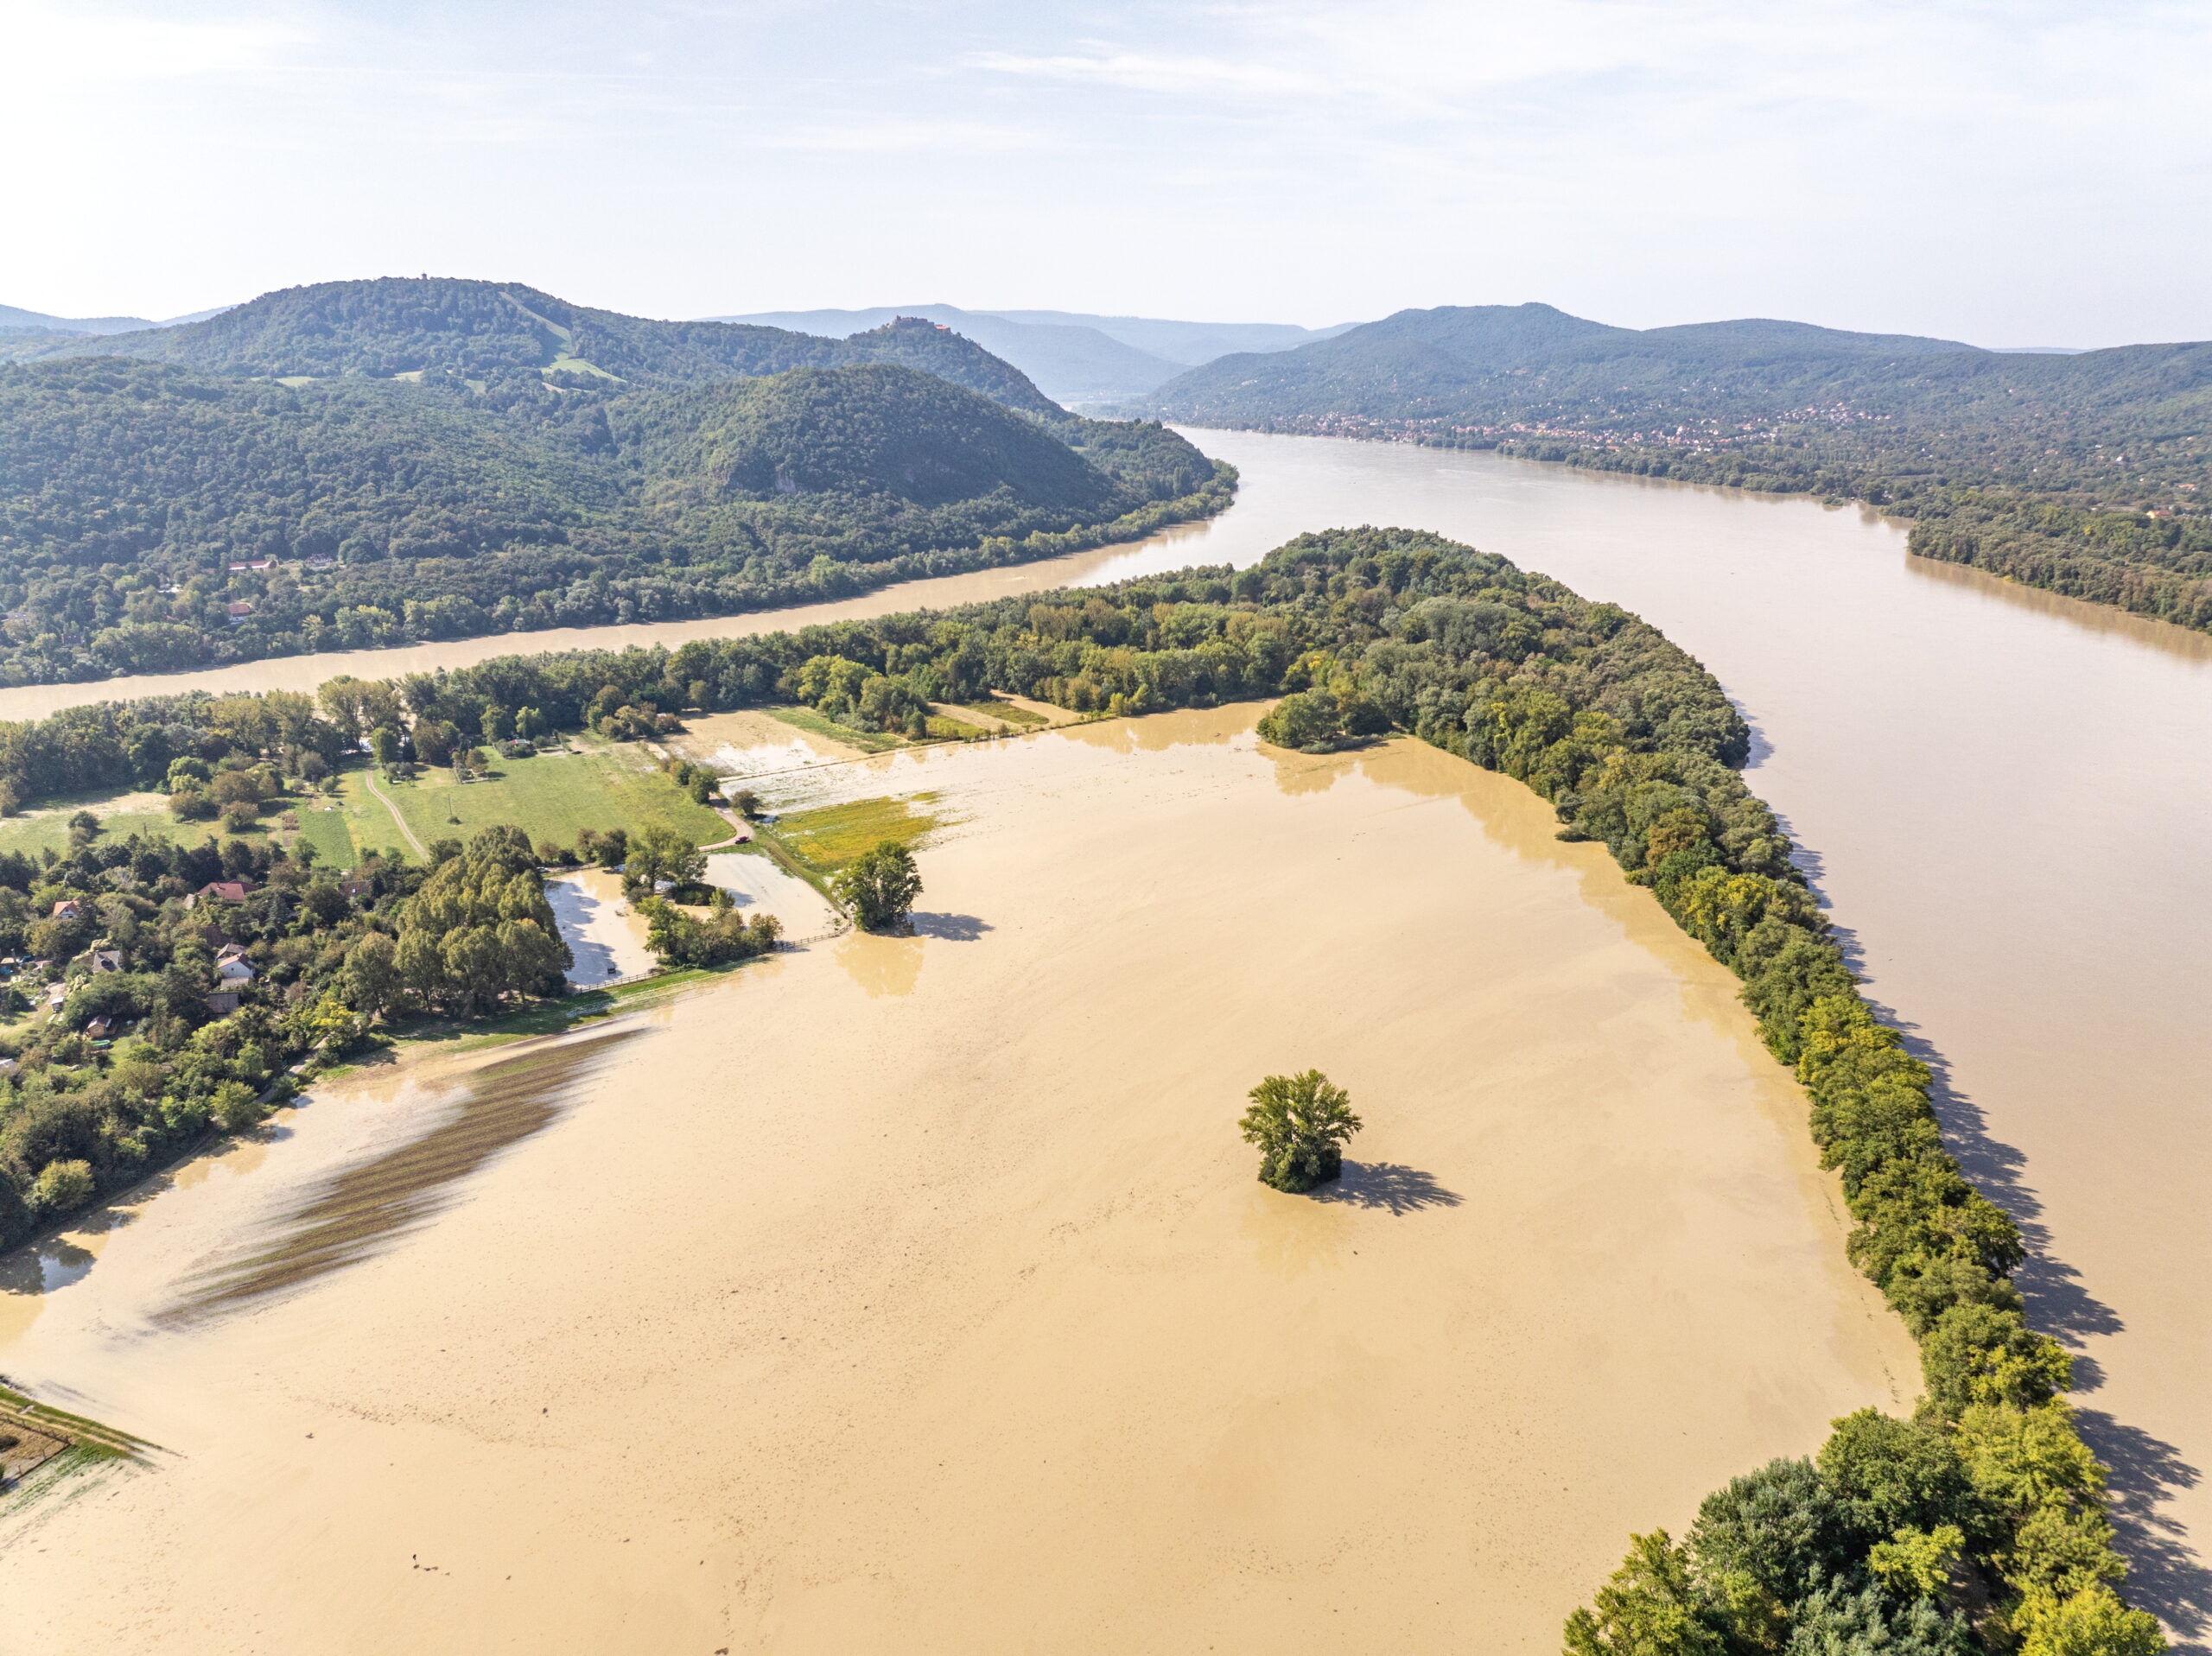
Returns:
(367,463)
(2088,474)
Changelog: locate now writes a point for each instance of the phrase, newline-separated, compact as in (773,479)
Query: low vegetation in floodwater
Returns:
(829,837)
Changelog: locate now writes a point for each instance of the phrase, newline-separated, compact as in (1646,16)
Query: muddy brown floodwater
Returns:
(915,1293)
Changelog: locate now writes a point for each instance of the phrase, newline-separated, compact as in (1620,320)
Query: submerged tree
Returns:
(880,885)
(1300,1124)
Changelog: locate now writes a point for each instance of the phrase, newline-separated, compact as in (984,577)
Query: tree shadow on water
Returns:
(2164,1574)
(2056,1301)
(1391,1187)
(953,928)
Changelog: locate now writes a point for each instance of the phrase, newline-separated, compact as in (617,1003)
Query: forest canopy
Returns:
(188,510)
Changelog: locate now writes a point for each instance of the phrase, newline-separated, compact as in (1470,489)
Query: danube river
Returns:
(2003,796)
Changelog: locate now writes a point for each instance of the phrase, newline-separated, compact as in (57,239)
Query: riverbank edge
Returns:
(2071,552)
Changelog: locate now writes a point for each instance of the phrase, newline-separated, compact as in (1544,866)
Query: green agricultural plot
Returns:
(552,796)
(828,838)
(1008,711)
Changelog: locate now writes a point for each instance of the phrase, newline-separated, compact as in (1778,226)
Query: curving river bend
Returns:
(2005,796)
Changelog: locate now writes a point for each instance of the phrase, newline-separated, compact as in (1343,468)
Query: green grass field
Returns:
(814,724)
(1008,711)
(121,816)
(553,796)
(828,838)
(322,825)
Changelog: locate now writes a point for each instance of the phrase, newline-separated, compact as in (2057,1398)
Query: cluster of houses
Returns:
(233,971)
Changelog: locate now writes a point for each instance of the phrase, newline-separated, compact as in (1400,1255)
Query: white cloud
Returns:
(1131,69)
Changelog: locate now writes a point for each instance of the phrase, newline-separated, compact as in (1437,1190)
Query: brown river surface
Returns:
(2005,796)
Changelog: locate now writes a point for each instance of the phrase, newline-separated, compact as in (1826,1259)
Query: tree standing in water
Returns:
(880,885)
(1300,1124)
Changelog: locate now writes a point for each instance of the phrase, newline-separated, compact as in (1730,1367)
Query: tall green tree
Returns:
(1300,1124)
(879,886)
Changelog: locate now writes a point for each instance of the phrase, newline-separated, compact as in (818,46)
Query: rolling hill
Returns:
(1774,399)
(395,327)
(375,462)
(2089,473)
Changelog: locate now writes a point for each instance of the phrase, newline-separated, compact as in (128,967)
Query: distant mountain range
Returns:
(365,462)
(13,320)
(1786,403)
(1073,356)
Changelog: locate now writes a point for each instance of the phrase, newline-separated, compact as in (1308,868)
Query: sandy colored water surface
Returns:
(915,1293)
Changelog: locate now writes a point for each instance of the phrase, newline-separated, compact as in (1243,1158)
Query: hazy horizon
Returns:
(2013,176)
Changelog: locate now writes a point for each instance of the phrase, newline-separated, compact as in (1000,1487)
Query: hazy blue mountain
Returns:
(1187,342)
(1755,402)
(29,321)
(1068,364)
(1488,366)
(1072,356)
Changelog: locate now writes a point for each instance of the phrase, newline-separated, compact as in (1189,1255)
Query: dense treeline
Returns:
(1978,1524)
(1970,444)
(389,513)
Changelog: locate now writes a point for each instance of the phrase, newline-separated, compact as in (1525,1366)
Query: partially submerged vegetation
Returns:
(878,887)
(1300,1125)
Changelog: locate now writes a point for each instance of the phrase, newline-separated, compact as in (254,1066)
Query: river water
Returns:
(2003,796)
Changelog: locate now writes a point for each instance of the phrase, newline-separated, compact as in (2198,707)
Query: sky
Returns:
(2021,174)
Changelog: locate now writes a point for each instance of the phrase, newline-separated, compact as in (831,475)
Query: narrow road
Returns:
(369,775)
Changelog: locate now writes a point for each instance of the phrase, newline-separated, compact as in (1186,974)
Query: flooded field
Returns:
(915,1293)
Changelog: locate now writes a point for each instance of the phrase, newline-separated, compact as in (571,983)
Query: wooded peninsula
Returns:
(1979,1523)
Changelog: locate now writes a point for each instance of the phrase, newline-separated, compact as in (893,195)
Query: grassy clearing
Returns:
(322,825)
(49,829)
(553,796)
(122,814)
(1008,712)
(806,719)
(941,729)
(829,837)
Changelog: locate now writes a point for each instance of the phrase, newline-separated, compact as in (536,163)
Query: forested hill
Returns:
(134,497)
(2090,474)
(400,326)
